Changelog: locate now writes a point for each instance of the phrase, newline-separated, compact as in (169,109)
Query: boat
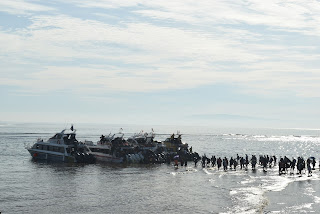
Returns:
(62,147)
(115,149)
(145,141)
(105,153)
(107,148)
(142,138)
(139,148)
(174,143)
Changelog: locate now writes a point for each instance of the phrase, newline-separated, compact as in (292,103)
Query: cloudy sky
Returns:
(232,63)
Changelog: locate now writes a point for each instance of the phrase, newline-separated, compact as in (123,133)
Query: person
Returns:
(176,160)
(253,162)
(181,160)
(195,160)
(293,165)
(309,167)
(300,165)
(231,162)
(219,161)
(287,163)
(225,164)
(176,163)
(313,163)
(235,164)
(281,166)
(204,158)
(208,162)
(242,162)
(270,161)
(264,162)
(172,138)
(213,161)
(247,161)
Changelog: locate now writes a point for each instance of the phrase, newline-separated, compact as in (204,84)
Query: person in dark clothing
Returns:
(309,167)
(204,158)
(213,161)
(313,163)
(225,164)
(219,162)
(293,165)
(253,162)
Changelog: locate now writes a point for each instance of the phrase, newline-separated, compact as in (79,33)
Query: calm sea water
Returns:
(32,187)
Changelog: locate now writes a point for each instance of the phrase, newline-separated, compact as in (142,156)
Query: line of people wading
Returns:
(285,164)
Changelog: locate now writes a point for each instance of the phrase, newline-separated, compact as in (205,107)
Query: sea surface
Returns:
(27,186)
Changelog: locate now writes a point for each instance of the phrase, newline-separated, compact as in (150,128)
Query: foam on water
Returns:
(276,183)
(302,206)
(206,171)
(182,170)
(250,198)
(316,199)
(247,200)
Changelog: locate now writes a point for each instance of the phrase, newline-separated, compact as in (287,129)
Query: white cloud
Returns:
(144,56)
(21,7)
(106,4)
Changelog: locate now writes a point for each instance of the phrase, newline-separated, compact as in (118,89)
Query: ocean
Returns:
(27,186)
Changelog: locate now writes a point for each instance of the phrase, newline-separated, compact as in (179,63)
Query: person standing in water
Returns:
(293,165)
(225,164)
(313,163)
(231,162)
(219,161)
(309,167)
(253,162)
(247,161)
(213,161)
(204,159)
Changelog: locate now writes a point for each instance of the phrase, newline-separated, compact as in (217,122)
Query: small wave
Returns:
(247,181)
(233,192)
(259,136)
(249,200)
(180,171)
(211,180)
(316,199)
(206,171)
(276,183)
(303,206)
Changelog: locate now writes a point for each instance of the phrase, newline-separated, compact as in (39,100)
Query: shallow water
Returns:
(34,187)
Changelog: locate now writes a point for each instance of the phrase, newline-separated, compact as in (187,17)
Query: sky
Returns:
(237,63)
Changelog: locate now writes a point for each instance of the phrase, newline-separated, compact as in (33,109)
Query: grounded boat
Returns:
(139,148)
(104,153)
(174,143)
(145,141)
(62,147)
(106,148)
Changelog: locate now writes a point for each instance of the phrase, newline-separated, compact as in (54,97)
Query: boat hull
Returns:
(106,158)
(56,157)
